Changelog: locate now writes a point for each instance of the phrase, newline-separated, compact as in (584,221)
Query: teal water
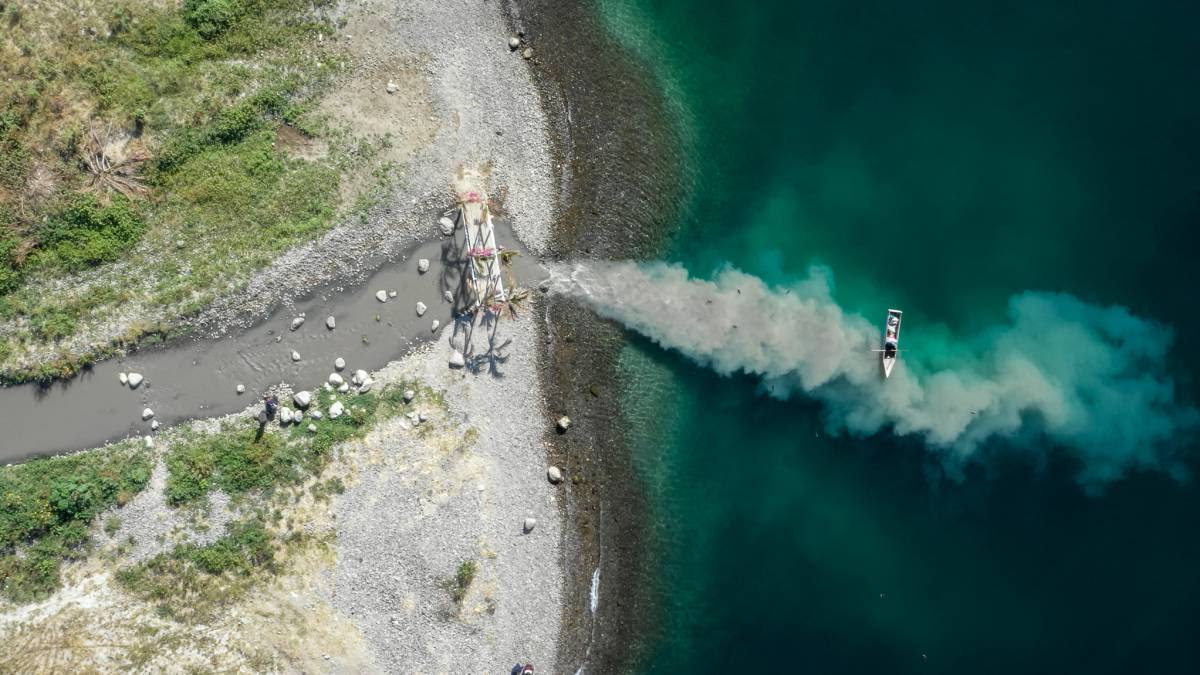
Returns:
(939,157)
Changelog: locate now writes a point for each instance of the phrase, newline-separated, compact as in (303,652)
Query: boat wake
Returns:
(1090,379)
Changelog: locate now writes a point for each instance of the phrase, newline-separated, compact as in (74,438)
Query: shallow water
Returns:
(939,157)
(197,378)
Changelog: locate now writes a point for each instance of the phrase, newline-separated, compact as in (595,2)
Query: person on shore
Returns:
(519,669)
(271,404)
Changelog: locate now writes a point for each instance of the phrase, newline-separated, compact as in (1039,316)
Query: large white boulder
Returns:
(360,376)
(295,355)
(134,380)
(330,323)
(421,309)
(302,399)
(296,323)
(456,360)
(123,378)
(147,414)
(381,296)
(446,225)
(335,379)
(336,410)
(339,363)
(423,265)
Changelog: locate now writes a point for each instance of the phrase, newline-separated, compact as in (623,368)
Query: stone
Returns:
(436,324)
(343,387)
(285,416)
(315,414)
(302,399)
(448,296)
(366,386)
(147,414)
(527,53)
(360,376)
(409,395)
(554,475)
(336,410)
(297,415)
(123,378)
(149,442)
(392,87)
(529,524)
(423,265)
(421,309)
(312,428)
(514,42)
(296,323)
(446,225)
(335,379)
(564,423)
(134,380)
(421,417)
(330,323)
(154,425)
(339,363)
(456,360)
(295,355)
(241,389)
(391,294)
(381,296)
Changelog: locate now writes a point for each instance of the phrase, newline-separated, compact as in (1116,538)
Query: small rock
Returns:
(147,414)
(297,415)
(241,389)
(336,410)
(123,378)
(527,53)
(554,475)
(423,265)
(514,42)
(381,296)
(564,423)
(149,442)
(179,243)
(529,524)
(278,338)
(366,386)
(134,380)
(312,428)
(296,323)
(285,416)
(302,399)
(335,379)
(295,355)
(409,394)
(330,323)
(339,363)
(421,309)
(421,417)
(446,225)
(436,325)
(315,414)
(448,296)
(343,387)
(456,360)
(154,425)
(391,294)
(392,88)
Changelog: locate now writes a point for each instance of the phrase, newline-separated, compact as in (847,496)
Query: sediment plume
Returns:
(1061,373)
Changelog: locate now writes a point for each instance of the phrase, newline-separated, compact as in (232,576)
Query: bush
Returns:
(211,18)
(87,233)
(52,323)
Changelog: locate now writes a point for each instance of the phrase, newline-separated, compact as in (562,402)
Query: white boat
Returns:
(891,341)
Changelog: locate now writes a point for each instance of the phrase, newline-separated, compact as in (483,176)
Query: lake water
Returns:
(938,157)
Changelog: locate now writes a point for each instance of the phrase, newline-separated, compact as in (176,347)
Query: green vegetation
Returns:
(463,577)
(155,136)
(46,510)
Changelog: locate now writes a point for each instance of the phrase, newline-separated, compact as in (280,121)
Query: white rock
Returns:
(381,296)
(336,410)
(134,380)
(328,387)
(514,42)
(302,399)
(315,414)
(147,414)
(123,378)
(312,428)
(339,363)
(391,294)
(343,387)
(456,360)
(554,475)
(330,323)
(435,326)
(297,322)
(295,355)
(423,265)
(285,416)
(149,442)
(564,423)
(421,417)
(154,425)
(446,225)
(527,53)
(241,389)
(409,395)
(448,296)
(335,379)
(366,386)
(360,376)
(529,524)
(392,87)
(297,415)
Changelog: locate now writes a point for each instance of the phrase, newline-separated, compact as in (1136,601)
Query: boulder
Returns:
(554,475)
(330,322)
(312,428)
(339,363)
(381,296)
(147,414)
(446,225)
(315,414)
(302,399)
(564,423)
(134,380)
(447,296)
(360,376)
(514,42)
(436,324)
(456,360)
(391,294)
(335,379)
(423,265)
(295,355)
(421,417)
(421,309)
(285,416)
(296,323)
(409,395)
(529,524)
(527,53)
(241,389)
(366,386)
(123,378)
(149,442)
(336,410)
(154,425)
(392,87)
(343,387)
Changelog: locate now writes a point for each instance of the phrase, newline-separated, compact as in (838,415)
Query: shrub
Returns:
(211,18)
(87,233)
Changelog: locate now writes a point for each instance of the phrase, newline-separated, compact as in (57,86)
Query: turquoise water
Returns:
(939,157)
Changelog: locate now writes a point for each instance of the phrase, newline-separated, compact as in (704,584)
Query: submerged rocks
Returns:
(336,410)
(330,322)
(296,323)
(554,475)
(147,414)
(423,265)
(421,309)
(302,399)
(446,225)
(456,359)
(135,379)
(563,424)
(381,296)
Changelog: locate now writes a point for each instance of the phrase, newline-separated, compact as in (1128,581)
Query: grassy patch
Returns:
(46,508)
(461,582)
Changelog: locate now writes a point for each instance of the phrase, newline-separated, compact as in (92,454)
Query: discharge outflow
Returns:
(1061,373)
